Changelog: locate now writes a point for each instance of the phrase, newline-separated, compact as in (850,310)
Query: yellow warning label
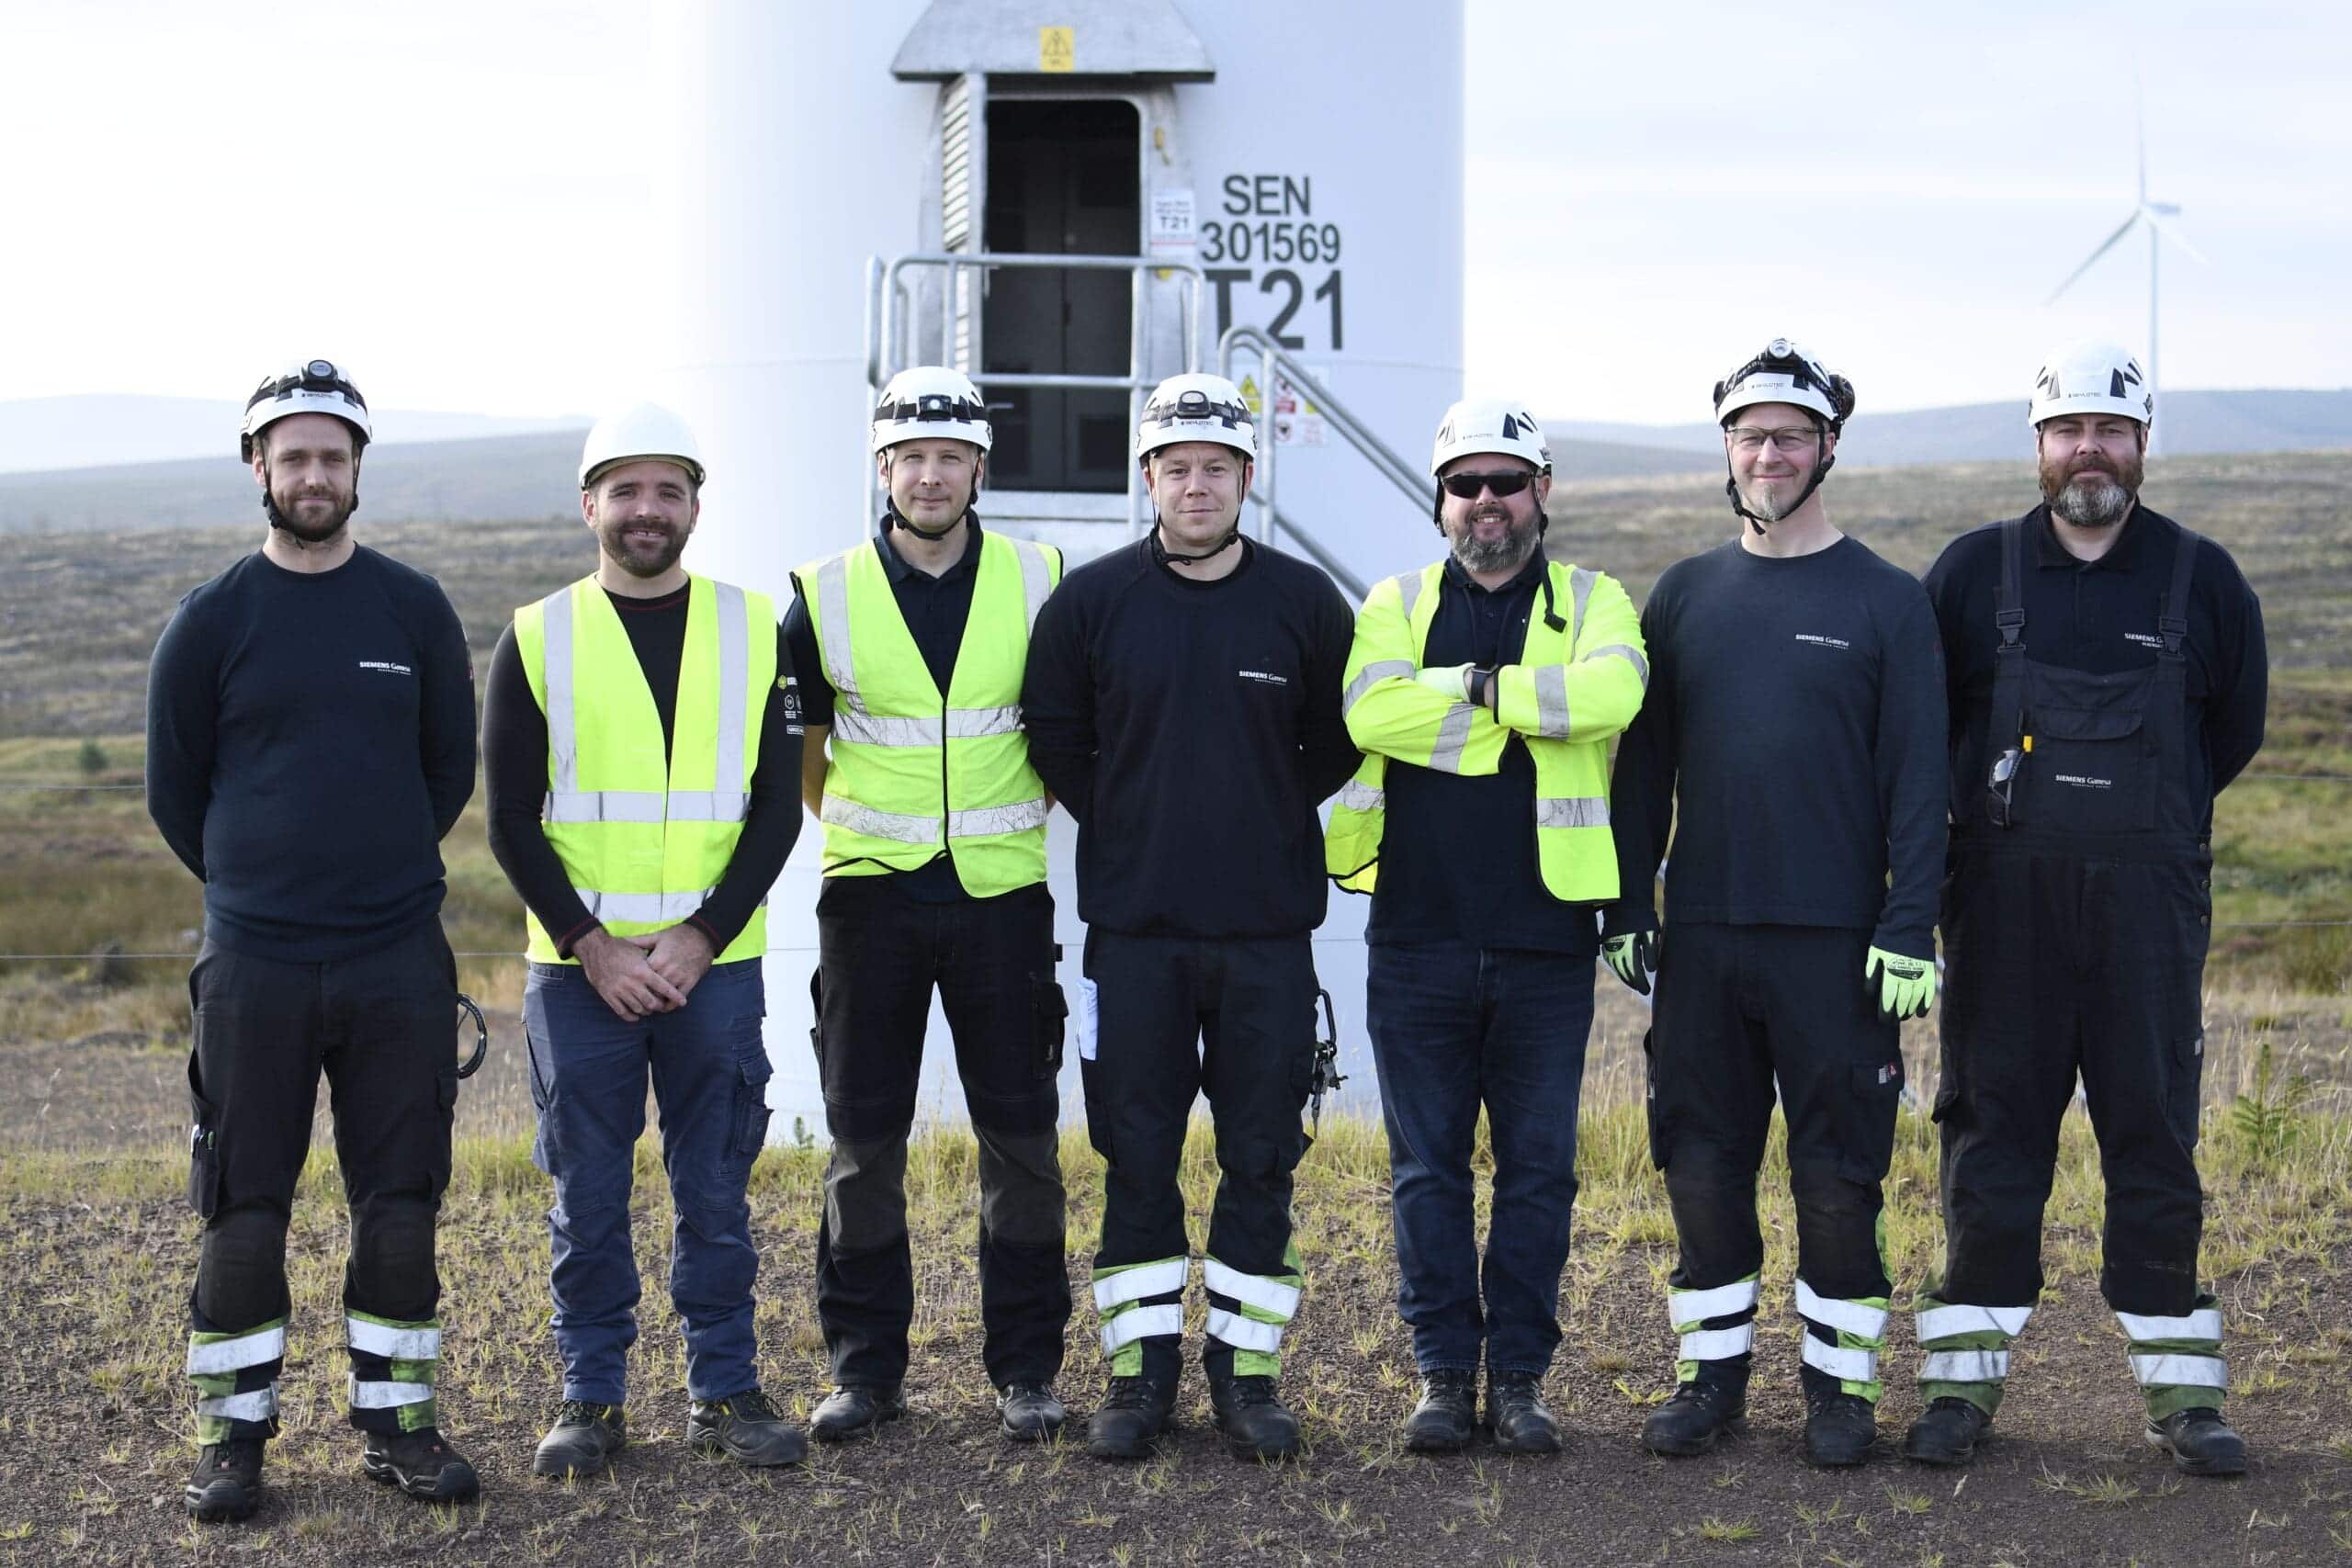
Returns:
(1250,393)
(1057,48)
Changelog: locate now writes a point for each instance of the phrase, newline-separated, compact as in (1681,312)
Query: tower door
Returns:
(1063,178)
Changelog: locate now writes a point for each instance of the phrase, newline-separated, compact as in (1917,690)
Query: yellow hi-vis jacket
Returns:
(912,772)
(645,837)
(1566,694)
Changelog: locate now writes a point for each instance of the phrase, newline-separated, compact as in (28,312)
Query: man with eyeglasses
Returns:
(1793,743)
(2108,680)
(1183,702)
(1485,689)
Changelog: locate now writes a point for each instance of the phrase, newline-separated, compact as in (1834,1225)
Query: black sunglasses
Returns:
(1466,487)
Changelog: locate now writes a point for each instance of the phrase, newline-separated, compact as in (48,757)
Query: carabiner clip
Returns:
(472,1064)
(1326,1077)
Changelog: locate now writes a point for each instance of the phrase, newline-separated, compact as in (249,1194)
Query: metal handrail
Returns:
(1313,551)
(1273,358)
(884,348)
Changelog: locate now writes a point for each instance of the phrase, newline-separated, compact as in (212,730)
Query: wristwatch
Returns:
(1477,682)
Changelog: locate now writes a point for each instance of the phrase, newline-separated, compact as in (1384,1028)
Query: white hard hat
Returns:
(315,386)
(931,401)
(1196,407)
(1489,424)
(649,430)
(1784,373)
(2091,378)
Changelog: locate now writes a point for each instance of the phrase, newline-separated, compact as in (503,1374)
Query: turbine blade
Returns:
(2171,231)
(2106,245)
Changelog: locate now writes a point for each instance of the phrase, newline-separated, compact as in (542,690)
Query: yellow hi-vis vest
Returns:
(645,837)
(1567,694)
(912,772)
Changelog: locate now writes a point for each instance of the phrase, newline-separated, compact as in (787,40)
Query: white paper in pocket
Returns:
(1084,1018)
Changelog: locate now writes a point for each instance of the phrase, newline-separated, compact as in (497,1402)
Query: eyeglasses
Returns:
(2003,781)
(1788,440)
(1466,487)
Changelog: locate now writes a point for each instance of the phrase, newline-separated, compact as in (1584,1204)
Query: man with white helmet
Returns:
(309,741)
(1485,689)
(642,754)
(1793,745)
(2108,680)
(910,648)
(1182,702)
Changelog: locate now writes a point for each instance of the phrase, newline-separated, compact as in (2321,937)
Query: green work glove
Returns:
(1451,682)
(1906,986)
(1634,958)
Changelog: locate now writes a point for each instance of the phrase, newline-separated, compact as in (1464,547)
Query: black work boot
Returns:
(1030,1412)
(1703,1409)
(746,1428)
(1516,1413)
(1447,1417)
(1255,1422)
(1839,1428)
(420,1464)
(583,1441)
(1133,1415)
(2200,1442)
(1947,1432)
(855,1410)
(226,1482)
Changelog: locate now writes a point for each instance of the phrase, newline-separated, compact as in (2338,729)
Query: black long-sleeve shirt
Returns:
(309,741)
(515,767)
(1793,739)
(2101,616)
(1191,728)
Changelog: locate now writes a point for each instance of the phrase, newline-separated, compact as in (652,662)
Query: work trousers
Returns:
(1455,1027)
(1742,1010)
(1163,1019)
(382,1027)
(991,961)
(709,1072)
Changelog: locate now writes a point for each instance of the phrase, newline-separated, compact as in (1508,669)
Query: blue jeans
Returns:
(1452,1028)
(709,1070)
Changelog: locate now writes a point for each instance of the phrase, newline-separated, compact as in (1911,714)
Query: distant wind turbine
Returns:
(2158,217)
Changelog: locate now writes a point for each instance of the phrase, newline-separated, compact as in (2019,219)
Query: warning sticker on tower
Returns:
(1296,421)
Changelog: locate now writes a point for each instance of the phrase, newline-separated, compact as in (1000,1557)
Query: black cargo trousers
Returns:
(881,955)
(381,1026)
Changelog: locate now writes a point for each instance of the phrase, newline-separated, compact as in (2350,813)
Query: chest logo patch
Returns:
(386,666)
(1819,641)
(1263,677)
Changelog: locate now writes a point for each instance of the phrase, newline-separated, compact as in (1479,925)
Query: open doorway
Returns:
(1063,178)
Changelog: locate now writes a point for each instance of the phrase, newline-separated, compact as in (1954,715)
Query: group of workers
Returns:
(2040,729)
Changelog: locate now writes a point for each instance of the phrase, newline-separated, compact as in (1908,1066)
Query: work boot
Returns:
(855,1410)
(420,1464)
(1947,1432)
(1839,1428)
(1447,1417)
(1703,1409)
(1030,1412)
(1130,1419)
(1516,1413)
(226,1482)
(583,1441)
(746,1428)
(1255,1422)
(2200,1442)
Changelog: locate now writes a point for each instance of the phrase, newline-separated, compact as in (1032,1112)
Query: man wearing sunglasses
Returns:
(1484,689)
(1793,743)
(2108,678)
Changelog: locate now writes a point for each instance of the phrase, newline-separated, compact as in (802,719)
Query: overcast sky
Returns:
(193,190)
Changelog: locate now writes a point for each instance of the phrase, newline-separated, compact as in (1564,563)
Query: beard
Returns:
(2089,494)
(640,560)
(306,524)
(1757,498)
(1511,550)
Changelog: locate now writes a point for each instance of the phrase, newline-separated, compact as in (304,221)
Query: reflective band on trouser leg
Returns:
(1263,1305)
(1964,1349)
(235,1377)
(1731,1308)
(1119,1296)
(391,1353)
(1860,1324)
(2177,1360)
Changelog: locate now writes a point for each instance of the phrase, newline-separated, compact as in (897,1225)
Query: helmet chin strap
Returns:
(277,519)
(1162,554)
(1822,462)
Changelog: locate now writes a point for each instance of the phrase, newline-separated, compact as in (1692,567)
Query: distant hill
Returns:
(41,434)
(2191,423)
(499,477)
